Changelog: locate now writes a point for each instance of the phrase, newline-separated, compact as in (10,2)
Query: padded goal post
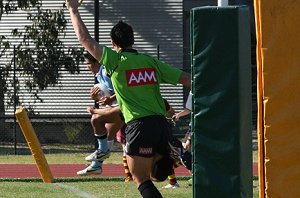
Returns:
(221,87)
(278,63)
(34,145)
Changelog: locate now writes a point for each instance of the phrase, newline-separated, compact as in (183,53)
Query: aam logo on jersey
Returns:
(145,151)
(143,76)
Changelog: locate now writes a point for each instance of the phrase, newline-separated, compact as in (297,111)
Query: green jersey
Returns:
(136,79)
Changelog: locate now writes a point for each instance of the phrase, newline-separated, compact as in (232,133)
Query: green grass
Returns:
(70,189)
(91,188)
(72,158)
(255,156)
(86,186)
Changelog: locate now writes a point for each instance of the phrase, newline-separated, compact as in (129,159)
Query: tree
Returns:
(40,55)
(11,5)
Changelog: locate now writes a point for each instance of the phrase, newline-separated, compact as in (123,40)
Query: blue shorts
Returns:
(147,136)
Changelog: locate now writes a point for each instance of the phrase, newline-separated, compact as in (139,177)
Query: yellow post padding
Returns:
(259,102)
(278,68)
(34,145)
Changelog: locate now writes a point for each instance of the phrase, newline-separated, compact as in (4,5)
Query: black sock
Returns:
(101,137)
(148,190)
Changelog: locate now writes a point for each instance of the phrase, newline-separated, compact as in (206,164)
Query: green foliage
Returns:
(12,5)
(4,45)
(44,59)
(41,55)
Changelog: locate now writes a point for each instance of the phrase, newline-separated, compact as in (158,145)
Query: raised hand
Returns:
(73,4)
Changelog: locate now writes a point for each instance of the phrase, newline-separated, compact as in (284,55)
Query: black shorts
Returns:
(147,136)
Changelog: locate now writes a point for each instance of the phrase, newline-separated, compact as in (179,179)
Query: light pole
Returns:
(222,2)
(96,20)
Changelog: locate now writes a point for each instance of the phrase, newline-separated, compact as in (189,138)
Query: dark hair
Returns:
(122,35)
(89,57)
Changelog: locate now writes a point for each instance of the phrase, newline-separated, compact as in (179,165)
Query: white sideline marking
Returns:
(75,190)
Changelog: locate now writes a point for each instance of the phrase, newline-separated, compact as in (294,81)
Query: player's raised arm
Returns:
(82,33)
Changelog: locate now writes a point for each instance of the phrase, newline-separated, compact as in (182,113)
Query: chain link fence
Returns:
(56,134)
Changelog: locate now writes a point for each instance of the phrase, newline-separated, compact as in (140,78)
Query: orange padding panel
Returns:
(278,63)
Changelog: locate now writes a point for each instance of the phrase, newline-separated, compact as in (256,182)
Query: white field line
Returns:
(75,190)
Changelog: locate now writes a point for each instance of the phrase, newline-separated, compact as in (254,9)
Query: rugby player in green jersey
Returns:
(136,79)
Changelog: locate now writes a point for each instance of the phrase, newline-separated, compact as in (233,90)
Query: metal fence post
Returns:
(15,103)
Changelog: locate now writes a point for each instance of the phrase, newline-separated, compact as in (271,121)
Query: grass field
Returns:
(114,188)
(83,187)
(62,158)
(78,187)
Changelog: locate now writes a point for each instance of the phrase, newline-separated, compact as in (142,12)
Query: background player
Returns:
(105,120)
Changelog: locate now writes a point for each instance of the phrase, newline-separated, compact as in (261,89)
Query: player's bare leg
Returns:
(141,168)
(106,122)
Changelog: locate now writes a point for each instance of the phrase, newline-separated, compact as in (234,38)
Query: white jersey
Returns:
(188,103)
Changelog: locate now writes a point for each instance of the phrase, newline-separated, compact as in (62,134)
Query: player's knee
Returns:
(95,119)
